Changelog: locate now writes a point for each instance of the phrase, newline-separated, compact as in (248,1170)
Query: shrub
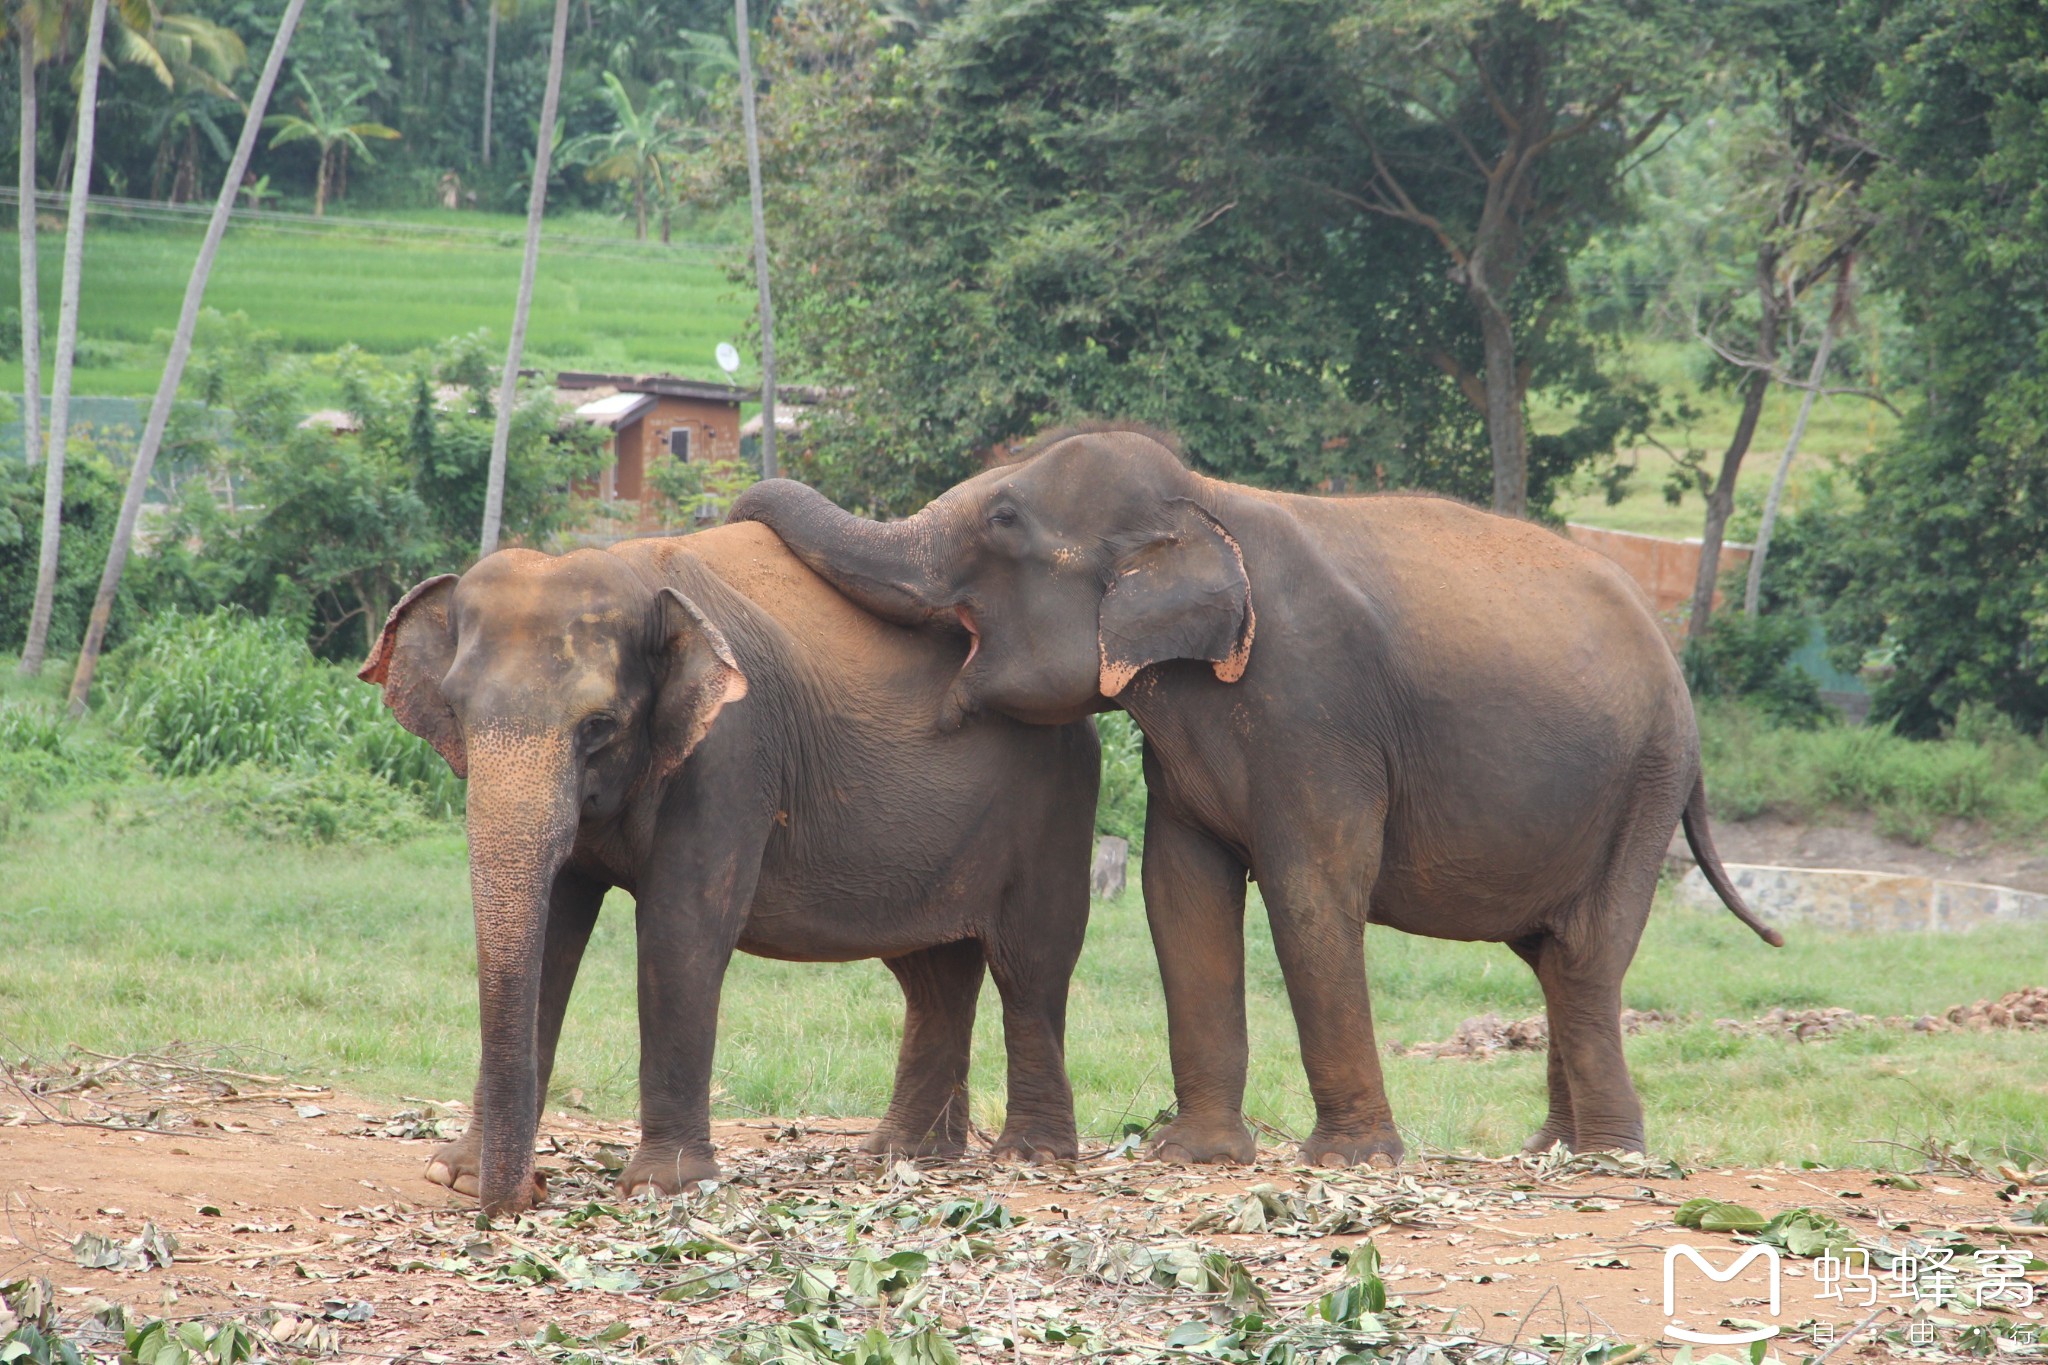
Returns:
(43,754)
(1743,656)
(1120,809)
(206,694)
(200,693)
(334,804)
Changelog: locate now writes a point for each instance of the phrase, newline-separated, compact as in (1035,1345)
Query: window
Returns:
(679,442)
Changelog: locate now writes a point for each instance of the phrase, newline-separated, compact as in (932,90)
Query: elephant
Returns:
(1388,708)
(705,723)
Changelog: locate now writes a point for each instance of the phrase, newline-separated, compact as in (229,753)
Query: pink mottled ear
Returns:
(699,677)
(410,659)
(1181,594)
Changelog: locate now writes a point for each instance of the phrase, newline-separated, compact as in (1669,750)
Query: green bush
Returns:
(1984,770)
(228,692)
(42,755)
(198,693)
(319,806)
(1744,656)
(1120,809)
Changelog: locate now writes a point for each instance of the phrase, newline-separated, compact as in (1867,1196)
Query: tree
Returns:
(25,41)
(751,132)
(335,126)
(1793,205)
(174,361)
(1493,128)
(1940,577)
(34,646)
(536,204)
(637,150)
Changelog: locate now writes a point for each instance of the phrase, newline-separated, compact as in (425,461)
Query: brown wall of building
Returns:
(641,444)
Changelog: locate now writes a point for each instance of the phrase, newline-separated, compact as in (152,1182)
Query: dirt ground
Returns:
(305,1215)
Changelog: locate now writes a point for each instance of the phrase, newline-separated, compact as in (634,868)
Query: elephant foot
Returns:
(1544,1139)
(458,1165)
(1192,1143)
(1629,1141)
(1376,1147)
(892,1143)
(664,1173)
(1036,1148)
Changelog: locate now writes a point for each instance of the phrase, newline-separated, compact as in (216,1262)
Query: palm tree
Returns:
(25,39)
(194,59)
(753,136)
(174,363)
(33,647)
(639,149)
(536,203)
(333,132)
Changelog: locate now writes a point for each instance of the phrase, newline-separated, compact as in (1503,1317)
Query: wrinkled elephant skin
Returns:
(705,723)
(1390,709)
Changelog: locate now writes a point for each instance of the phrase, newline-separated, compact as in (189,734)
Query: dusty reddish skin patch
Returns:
(1231,667)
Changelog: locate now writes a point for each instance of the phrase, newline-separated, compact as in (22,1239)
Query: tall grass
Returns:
(1986,770)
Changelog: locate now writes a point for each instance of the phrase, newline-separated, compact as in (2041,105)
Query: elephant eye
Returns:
(595,732)
(1003,516)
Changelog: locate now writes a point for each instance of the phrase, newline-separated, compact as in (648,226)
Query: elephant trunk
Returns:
(522,825)
(887,567)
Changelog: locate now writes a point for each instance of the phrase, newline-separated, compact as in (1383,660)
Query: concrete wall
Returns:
(1845,901)
(1665,568)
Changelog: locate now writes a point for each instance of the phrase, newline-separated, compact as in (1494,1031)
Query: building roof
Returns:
(615,410)
(788,417)
(675,386)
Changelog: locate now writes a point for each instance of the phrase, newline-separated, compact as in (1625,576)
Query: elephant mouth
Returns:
(966,619)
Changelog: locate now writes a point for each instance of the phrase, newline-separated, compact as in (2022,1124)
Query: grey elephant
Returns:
(1387,709)
(705,723)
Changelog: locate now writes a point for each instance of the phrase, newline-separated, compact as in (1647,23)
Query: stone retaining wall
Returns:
(1842,900)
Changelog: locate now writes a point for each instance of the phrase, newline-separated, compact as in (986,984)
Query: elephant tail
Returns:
(1700,838)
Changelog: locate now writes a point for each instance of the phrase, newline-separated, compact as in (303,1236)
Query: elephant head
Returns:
(1071,570)
(560,687)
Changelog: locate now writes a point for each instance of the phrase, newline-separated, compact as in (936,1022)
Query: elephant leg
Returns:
(1033,966)
(1194,903)
(1558,1125)
(1318,916)
(572,914)
(928,1109)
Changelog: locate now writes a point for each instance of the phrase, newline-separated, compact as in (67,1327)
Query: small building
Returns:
(653,418)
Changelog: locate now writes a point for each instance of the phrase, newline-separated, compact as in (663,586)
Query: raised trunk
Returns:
(522,823)
(31,305)
(884,566)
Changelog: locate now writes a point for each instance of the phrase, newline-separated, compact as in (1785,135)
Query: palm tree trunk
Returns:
(1837,312)
(31,303)
(536,204)
(320,185)
(38,640)
(490,71)
(174,362)
(753,134)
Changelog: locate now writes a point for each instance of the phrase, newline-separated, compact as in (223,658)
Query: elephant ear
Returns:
(699,676)
(409,661)
(1180,594)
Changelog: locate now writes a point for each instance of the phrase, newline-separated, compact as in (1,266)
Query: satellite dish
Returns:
(728,358)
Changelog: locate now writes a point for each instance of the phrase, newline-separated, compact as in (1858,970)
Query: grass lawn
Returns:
(402,281)
(129,925)
(1841,430)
